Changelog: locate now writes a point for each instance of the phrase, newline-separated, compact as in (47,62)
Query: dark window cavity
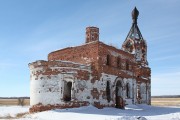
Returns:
(67,91)
(108,94)
(108,60)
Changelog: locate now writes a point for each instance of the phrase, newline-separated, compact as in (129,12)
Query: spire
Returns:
(134,42)
(134,32)
(135,14)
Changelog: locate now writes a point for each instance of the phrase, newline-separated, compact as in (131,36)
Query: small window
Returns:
(108,93)
(108,60)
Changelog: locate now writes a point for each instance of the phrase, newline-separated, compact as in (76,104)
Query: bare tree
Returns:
(21,101)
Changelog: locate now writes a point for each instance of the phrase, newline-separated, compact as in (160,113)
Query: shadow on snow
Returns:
(133,110)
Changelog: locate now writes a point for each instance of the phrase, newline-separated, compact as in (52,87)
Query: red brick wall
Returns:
(85,54)
(113,67)
(95,53)
(77,54)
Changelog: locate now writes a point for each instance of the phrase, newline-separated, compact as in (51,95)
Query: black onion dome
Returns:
(135,14)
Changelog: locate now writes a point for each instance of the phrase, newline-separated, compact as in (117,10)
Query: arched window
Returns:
(127,91)
(108,61)
(108,93)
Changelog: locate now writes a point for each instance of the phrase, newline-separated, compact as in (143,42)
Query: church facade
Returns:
(93,73)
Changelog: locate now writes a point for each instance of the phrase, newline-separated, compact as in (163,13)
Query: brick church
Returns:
(93,73)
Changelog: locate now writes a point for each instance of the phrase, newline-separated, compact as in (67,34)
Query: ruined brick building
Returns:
(93,73)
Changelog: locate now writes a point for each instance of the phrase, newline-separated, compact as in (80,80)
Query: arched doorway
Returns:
(119,93)
(67,91)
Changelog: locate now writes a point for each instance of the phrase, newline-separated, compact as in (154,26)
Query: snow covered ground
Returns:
(133,112)
(12,110)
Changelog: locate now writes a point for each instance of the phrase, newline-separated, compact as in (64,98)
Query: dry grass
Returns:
(7,117)
(13,101)
(165,101)
(10,102)
(19,115)
(154,101)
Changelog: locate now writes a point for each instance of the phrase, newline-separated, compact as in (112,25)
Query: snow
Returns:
(12,110)
(131,112)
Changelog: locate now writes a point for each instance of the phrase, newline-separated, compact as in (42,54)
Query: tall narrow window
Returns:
(108,93)
(108,60)
(127,91)
(138,92)
(127,65)
(118,62)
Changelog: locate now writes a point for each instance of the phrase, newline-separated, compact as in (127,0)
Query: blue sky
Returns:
(30,29)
